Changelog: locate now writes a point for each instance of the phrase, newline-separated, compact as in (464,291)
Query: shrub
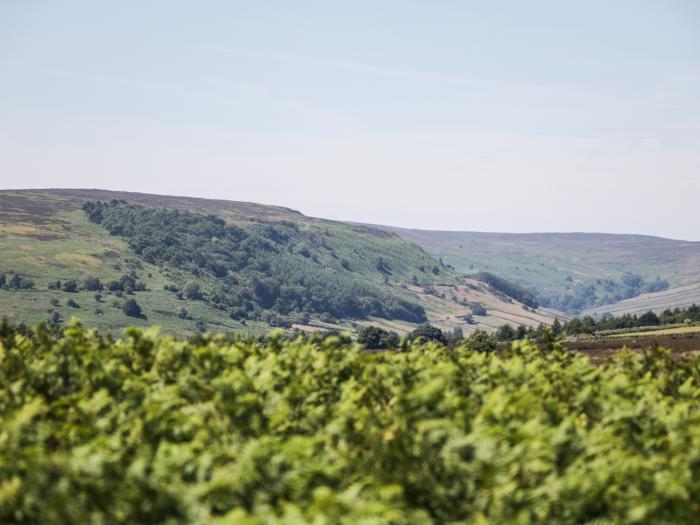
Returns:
(192,290)
(427,332)
(70,286)
(72,303)
(238,312)
(480,341)
(92,284)
(455,336)
(148,429)
(649,319)
(477,309)
(382,266)
(16,282)
(373,337)
(132,308)
(505,333)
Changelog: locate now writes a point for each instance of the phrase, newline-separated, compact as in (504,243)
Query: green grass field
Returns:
(64,245)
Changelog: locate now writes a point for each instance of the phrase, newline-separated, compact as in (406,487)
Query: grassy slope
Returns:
(543,261)
(447,309)
(45,236)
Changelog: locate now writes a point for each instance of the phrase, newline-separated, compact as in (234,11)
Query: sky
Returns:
(481,116)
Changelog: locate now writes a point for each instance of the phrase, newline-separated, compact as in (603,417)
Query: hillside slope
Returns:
(571,271)
(678,297)
(199,264)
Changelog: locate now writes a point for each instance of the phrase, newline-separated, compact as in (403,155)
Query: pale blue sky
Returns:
(496,116)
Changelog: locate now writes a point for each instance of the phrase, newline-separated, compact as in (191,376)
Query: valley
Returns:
(577,273)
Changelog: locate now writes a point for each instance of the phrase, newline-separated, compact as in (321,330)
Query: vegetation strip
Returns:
(222,430)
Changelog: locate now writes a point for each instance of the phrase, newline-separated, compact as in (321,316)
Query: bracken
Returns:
(151,429)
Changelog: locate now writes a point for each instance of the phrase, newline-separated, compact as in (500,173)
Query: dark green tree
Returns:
(481,341)
(455,336)
(505,333)
(132,308)
(557,328)
(16,282)
(92,284)
(427,332)
(372,337)
(192,290)
(70,286)
(649,319)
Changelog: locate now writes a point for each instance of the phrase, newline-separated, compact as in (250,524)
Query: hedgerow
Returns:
(151,429)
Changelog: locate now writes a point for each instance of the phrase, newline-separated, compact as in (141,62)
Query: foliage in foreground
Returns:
(149,429)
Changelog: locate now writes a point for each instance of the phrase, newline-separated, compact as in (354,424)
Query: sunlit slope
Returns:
(363,274)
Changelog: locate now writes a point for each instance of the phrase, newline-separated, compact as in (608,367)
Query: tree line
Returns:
(519,293)
(590,325)
(602,291)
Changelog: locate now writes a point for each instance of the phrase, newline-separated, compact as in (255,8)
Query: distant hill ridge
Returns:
(576,272)
(205,205)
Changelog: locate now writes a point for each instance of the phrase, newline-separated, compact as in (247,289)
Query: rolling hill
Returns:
(576,272)
(116,259)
